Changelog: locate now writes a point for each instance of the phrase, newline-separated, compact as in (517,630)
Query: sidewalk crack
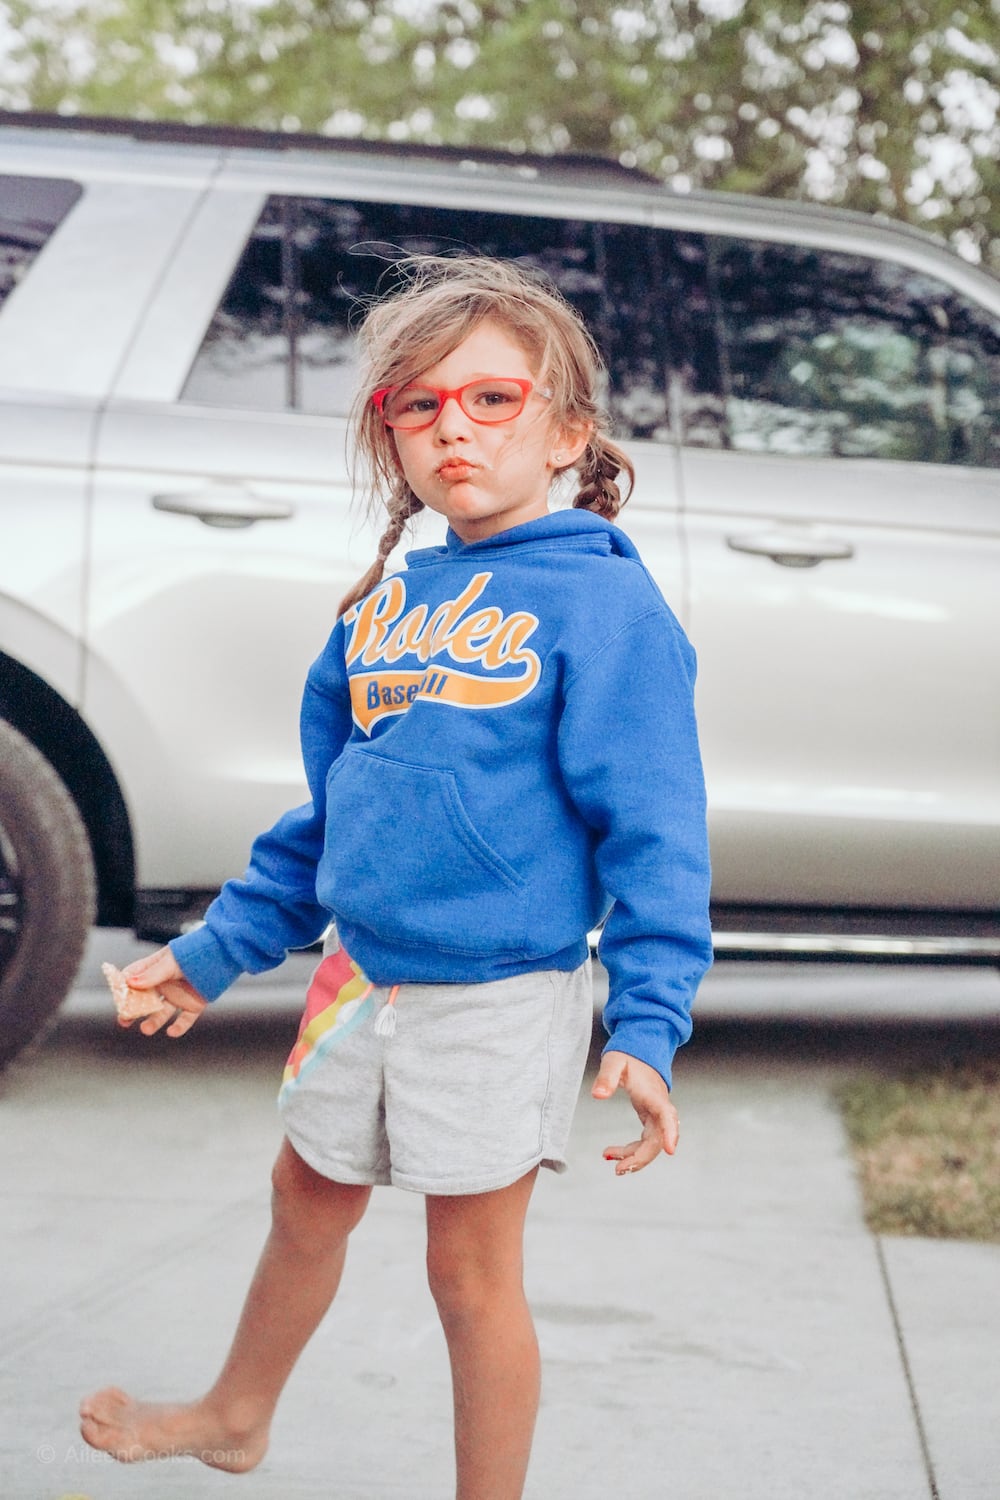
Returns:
(932,1484)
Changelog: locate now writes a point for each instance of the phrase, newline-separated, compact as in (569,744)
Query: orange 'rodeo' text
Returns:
(379,632)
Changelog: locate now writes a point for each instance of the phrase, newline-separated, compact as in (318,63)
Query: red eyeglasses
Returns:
(490,401)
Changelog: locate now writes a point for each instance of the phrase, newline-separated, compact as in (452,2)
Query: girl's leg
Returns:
(295,1281)
(475,1269)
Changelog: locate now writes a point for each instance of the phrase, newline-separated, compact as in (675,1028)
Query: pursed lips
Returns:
(455,468)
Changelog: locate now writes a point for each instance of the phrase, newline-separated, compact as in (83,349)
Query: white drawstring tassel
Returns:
(385,1021)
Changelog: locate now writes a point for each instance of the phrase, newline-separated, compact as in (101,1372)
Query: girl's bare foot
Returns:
(132,1431)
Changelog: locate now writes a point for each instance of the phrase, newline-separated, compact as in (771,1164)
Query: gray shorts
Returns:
(476,1085)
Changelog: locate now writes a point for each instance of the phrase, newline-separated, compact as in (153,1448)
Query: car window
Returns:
(30,209)
(821,352)
(282,337)
(684,338)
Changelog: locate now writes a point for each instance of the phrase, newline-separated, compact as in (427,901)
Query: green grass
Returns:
(927,1147)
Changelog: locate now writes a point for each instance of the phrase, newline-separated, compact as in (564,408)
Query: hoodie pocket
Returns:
(404,860)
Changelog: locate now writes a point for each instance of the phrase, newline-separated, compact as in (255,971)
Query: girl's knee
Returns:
(482,1306)
(475,1256)
(468,1284)
(302,1199)
(459,1297)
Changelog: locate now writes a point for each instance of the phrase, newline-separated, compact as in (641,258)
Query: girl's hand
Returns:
(651,1101)
(183,1005)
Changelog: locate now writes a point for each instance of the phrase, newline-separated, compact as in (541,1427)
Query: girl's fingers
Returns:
(651,1102)
(154,971)
(609,1077)
(180,1010)
(150,1025)
(657,1136)
(183,1023)
(670,1131)
(630,1158)
(178,1003)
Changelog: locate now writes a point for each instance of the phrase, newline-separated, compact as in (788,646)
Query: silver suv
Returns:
(811,399)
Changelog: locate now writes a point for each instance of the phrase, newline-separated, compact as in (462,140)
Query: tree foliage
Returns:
(813,98)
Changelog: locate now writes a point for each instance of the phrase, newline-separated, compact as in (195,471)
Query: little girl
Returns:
(500,749)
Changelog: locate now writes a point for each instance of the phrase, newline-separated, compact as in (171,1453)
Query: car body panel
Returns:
(45,453)
(848,709)
(843,706)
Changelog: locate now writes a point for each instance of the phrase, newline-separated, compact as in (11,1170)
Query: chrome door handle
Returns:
(229,506)
(792,549)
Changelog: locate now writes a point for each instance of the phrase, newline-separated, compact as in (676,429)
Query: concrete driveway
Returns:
(720,1325)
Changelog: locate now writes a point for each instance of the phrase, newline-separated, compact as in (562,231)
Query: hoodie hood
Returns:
(574,530)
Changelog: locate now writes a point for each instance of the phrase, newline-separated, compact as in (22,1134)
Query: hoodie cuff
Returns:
(204,962)
(651,1042)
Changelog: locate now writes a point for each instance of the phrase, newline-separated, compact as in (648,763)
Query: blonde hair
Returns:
(439,302)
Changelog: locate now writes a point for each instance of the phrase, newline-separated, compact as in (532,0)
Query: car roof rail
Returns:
(250,137)
(569,168)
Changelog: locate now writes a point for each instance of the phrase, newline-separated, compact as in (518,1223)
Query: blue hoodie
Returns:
(500,748)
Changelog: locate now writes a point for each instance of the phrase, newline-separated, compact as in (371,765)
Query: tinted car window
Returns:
(822,352)
(684,334)
(30,209)
(282,336)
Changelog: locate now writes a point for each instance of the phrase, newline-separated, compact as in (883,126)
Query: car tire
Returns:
(47,892)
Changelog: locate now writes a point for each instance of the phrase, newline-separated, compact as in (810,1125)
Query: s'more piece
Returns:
(129,1003)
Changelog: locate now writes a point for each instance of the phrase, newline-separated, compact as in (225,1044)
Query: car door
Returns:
(842,511)
(225,529)
(222,540)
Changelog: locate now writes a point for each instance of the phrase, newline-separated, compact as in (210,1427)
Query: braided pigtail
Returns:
(402,506)
(600,466)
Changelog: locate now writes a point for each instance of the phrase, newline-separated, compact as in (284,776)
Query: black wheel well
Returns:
(56,729)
